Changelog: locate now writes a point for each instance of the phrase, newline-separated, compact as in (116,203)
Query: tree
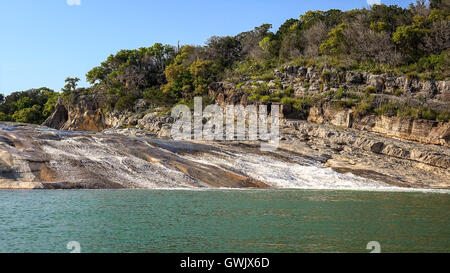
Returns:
(133,69)
(23,103)
(409,37)
(370,44)
(335,44)
(226,50)
(29,115)
(250,41)
(330,18)
(435,4)
(312,38)
(71,85)
(393,16)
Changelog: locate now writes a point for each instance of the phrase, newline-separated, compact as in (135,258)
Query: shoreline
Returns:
(309,154)
(368,190)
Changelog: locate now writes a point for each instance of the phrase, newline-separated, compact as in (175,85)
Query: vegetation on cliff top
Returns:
(380,39)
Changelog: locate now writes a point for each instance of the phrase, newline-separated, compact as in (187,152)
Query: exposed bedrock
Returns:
(310,156)
(407,128)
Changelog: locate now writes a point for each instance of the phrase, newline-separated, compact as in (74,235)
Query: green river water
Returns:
(223,221)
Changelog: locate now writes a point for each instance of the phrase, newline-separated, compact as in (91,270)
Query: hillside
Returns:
(373,69)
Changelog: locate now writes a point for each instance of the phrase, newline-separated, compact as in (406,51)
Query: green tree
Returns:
(23,103)
(49,106)
(4,117)
(29,115)
(71,85)
(335,43)
(409,37)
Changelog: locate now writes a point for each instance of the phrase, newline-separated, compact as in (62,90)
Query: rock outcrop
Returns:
(407,128)
(59,118)
(411,90)
(34,157)
(85,114)
(370,155)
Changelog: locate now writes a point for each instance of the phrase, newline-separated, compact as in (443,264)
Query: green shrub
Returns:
(387,109)
(29,115)
(427,113)
(344,103)
(412,76)
(443,116)
(289,91)
(407,111)
(254,97)
(4,117)
(398,92)
(370,90)
(126,103)
(264,99)
(325,76)
(339,94)
(287,100)
(363,108)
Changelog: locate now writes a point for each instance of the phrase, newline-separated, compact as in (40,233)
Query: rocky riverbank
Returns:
(128,150)
(310,156)
(87,114)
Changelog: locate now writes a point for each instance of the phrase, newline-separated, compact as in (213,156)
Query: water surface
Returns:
(223,221)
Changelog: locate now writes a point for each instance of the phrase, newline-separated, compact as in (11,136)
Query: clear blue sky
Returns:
(44,41)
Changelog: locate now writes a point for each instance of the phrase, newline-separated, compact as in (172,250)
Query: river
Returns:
(224,221)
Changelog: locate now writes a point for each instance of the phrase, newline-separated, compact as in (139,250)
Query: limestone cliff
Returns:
(407,128)
(85,114)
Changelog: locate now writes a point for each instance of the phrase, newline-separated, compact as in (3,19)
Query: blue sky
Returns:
(44,41)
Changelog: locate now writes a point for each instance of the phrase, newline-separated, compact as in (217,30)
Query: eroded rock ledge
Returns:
(408,128)
(404,163)
(36,157)
(85,114)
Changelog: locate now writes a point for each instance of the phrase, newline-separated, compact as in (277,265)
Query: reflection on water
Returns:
(223,221)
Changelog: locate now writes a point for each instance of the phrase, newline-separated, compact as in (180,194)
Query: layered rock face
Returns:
(307,81)
(407,164)
(414,91)
(85,114)
(408,128)
(59,118)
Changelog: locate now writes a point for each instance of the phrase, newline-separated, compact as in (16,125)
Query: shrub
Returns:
(126,103)
(339,94)
(427,113)
(398,92)
(443,116)
(289,91)
(387,109)
(363,108)
(29,115)
(264,99)
(412,76)
(370,90)
(254,97)
(325,76)
(287,100)
(4,117)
